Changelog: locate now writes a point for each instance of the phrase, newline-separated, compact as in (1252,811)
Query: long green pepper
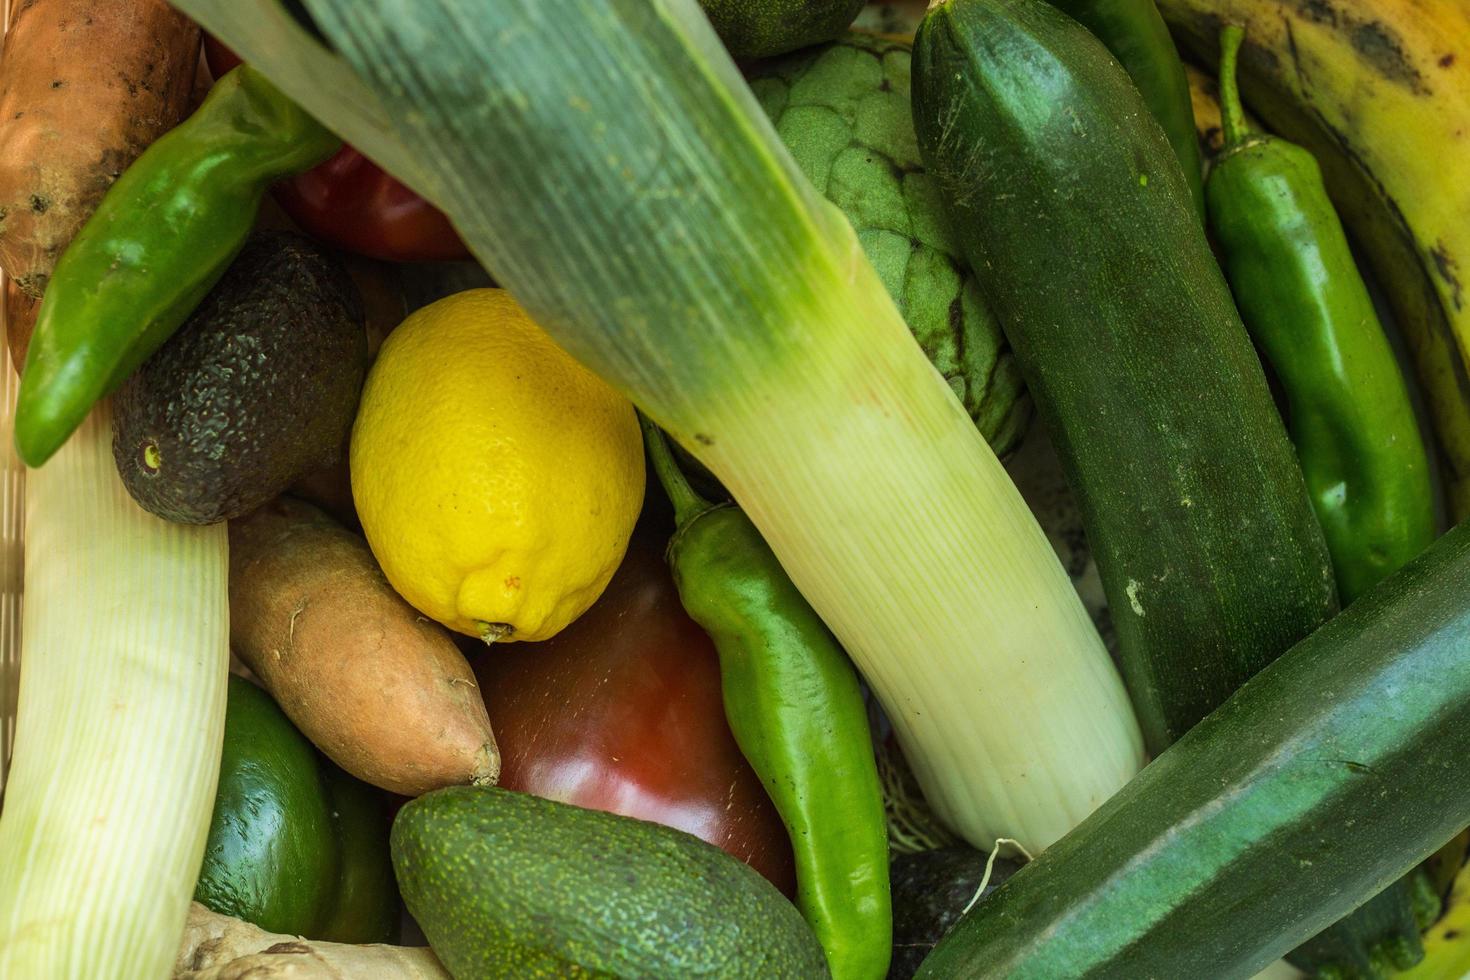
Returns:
(160,239)
(1135,32)
(1302,298)
(793,702)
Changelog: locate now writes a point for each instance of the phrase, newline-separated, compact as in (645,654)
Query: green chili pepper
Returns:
(1135,32)
(1304,302)
(793,702)
(160,239)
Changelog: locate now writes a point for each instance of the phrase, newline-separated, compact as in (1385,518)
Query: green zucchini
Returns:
(760,28)
(1135,32)
(1329,775)
(843,110)
(1069,202)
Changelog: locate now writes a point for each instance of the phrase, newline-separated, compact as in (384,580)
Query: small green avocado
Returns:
(506,884)
(258,388)
(761,28)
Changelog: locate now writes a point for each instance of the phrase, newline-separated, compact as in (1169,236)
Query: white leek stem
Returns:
(12,552)
(120,724)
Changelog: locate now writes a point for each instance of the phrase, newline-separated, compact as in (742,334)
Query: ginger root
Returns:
(217,947)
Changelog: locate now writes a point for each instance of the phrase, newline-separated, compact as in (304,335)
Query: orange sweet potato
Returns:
(380,689)
(84,88)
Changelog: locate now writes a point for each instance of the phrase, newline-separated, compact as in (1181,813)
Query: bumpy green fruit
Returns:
(843,111)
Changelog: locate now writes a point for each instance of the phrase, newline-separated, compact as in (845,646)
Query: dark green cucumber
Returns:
(1330,774)
(1070,205)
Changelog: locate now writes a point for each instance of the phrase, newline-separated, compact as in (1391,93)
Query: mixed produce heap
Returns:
(591,445)
(111,302)
(879,477)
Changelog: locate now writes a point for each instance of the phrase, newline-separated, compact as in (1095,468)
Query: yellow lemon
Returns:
(497,479)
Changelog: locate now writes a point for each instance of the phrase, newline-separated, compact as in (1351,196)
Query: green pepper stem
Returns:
(1232,113)
(687,504)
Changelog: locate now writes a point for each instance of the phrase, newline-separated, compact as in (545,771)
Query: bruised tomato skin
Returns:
(350,202)
(622,712)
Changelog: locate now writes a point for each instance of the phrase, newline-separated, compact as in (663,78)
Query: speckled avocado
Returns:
(761,28)
(257,389)
(506,884)
(843,112)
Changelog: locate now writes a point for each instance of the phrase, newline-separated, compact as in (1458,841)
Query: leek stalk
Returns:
(607,163)
(12,551)
(120,724)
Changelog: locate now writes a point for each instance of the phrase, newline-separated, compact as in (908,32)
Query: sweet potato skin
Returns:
(380,689)
(85,87)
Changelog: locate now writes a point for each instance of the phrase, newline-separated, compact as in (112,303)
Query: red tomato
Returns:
(349,202)
(621,711)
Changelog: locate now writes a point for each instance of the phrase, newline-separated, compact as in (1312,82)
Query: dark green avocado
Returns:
(506,884)
(761,28)
(257,389)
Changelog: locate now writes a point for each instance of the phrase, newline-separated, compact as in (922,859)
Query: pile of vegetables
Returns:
(544,483)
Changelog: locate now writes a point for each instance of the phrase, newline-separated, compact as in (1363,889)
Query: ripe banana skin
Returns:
(1379,91)
(1446,950)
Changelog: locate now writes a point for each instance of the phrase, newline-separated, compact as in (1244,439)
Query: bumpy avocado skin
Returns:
(843,111)
(257,389)
(506,884)
(762,28)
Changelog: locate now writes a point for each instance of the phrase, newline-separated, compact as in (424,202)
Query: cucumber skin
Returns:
(1072,208)
(1329,775)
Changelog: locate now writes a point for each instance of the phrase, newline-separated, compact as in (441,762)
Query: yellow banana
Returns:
(1379,91)
(1447,942)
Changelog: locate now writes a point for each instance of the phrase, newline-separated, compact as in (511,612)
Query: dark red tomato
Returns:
(621,711)
(349,202)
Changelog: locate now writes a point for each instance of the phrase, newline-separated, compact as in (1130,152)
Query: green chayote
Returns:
(843,111)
